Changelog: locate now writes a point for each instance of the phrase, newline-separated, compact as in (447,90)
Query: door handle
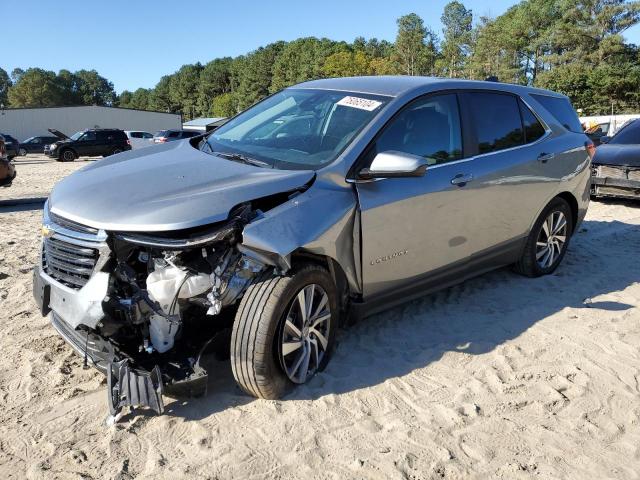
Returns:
(545,157)
(461,179)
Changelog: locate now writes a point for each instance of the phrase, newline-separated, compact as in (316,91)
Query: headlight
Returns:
(53,146)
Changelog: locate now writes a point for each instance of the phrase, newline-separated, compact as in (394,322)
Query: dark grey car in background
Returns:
(616,164)
(332,197)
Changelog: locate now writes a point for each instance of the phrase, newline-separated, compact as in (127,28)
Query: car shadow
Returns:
(474,317)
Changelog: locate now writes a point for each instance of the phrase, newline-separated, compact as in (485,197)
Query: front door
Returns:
(86,144)
(414,227)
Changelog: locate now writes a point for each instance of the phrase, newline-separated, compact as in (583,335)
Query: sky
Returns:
(134,42)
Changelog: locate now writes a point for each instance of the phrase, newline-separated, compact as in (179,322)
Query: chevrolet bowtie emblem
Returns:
(46,231)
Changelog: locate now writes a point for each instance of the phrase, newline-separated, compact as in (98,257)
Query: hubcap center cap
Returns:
(305,331)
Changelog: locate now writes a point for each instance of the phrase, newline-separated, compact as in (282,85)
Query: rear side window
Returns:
(136,134)
(496,118)
(629,135)
(562,110)
(533,129)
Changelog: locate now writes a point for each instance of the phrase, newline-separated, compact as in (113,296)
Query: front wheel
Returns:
(22,152)
(284,331)
(548,240)
(68,156)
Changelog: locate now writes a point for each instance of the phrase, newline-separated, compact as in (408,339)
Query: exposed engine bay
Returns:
(164,305)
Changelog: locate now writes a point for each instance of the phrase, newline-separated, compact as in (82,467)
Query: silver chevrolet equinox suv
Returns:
(329,200)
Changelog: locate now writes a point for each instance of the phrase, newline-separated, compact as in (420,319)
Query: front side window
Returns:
(88,137)
(429,128)
(629,135)
(297,128)
(496,119)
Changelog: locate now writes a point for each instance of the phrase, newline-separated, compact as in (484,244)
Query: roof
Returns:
(202,122)
(394,86)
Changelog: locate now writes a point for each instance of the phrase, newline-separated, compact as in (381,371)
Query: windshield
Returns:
(628,134)
(76,135)
(296,129)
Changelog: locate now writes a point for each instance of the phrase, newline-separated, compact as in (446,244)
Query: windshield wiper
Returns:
(238,157)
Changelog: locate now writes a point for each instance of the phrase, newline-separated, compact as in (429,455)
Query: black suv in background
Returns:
(88,143)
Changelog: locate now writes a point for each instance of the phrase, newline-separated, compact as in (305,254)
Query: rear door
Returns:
(506,176)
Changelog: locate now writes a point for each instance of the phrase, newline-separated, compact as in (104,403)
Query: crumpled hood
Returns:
(612,154)
(167,187)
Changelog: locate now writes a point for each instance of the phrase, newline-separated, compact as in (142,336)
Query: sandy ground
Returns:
(36,175)
(500,377)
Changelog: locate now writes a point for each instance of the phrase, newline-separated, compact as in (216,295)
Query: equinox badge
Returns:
(386,258)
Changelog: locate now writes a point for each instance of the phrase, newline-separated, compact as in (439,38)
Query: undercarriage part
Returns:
(130,387)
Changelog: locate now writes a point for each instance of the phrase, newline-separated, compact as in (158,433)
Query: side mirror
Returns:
(605,139)
(393,164)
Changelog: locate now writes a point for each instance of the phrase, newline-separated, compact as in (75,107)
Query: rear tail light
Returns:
(128,142)
(591,149)
(161,140)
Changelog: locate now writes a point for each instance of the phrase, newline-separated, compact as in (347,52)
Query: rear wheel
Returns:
(116,151)
(23,152)
(284,331)
(548,240)
(67,155)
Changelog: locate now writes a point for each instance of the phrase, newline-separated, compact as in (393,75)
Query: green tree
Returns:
(302,60)
(94,89)
(183,89)
(35,88)
(257,74)
(416,46)
(215,80)
(224,105)
(5,83)
(457,21)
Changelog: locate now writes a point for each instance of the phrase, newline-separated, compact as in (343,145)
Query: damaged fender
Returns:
(323,221)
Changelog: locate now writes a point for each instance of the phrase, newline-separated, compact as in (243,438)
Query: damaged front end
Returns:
(144,308)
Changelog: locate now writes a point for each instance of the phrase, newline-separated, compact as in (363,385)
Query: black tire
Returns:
(528,264)
(67,155)
(116,151)
(258,326)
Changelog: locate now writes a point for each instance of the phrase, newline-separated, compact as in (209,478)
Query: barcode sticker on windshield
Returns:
(361,103)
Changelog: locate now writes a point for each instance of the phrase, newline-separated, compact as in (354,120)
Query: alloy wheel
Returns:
(552,239)
(305,333)
(68,156)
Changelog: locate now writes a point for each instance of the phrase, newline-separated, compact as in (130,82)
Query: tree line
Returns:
(571,46)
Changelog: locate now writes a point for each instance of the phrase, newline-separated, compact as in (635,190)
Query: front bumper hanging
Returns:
(131,387)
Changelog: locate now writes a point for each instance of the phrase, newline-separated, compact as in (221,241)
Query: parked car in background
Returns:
(387,189)
(88,143)
(12,145)
(36,144)
(596,132)
(616,165)
(139,139)
(164,136)
(7,168)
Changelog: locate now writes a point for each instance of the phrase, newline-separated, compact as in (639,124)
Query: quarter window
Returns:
(429,128)
(496,118)
(533,129)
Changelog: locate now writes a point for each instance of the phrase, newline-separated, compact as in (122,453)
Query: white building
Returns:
(609,124)
(23,123)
